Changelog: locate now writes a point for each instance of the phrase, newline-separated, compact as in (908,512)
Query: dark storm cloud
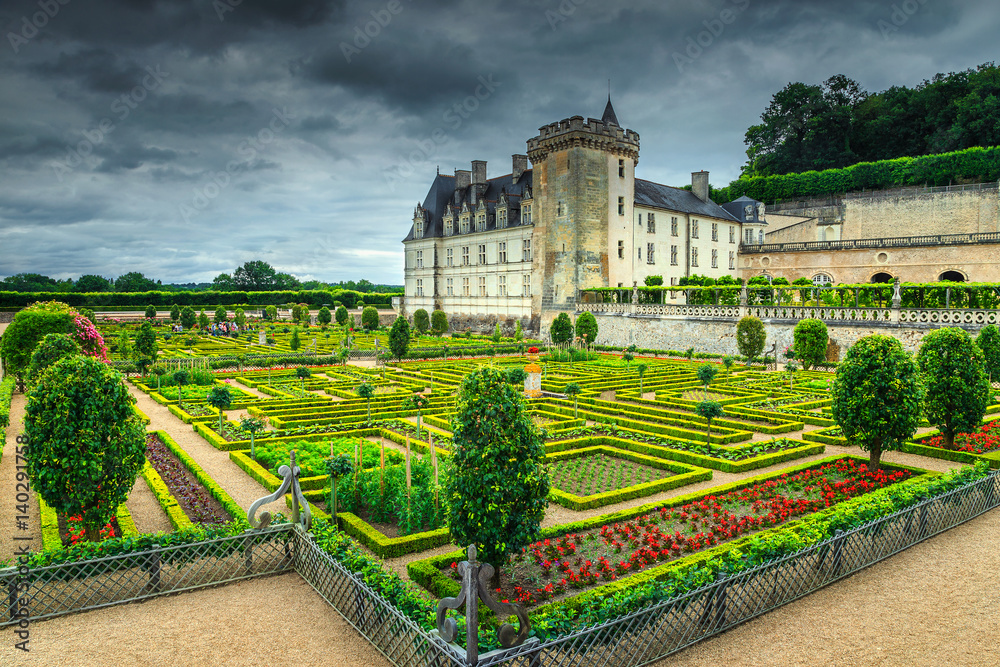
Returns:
(87,188)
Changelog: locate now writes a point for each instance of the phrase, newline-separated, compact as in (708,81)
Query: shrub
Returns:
(653,281)
(240,318)
(421,321)
(497,507)
(87,444)
(516,376)
(586,327)
(341,315)
(51,349)
(399,337)
(877,396)
(750,337)
(989,342)
(810,342)
(150,312)
(188,317)
(271,313)
(175,312)
(561,330)
(221,315)
(145,342)
(295,343)
(203,321)
(324,316)
(369,318)
(958,391)
(29,327)
(439,322)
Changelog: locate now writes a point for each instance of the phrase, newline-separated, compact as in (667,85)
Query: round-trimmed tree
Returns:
(49,350)
(295,342)
(810,342)
(175,312)
(989,342)
(573,391)
(188,317)
(586,326)
(145,343)
(324,316)
(366,391)
(369,318)
(399,337)
(86,443)
(341,315)
(240,318)
(561,330)
(878,396)
(709,410)
(421,321)
(707,373)
(221,315)
(150,312)
(497,491)
(439,322)
(958,391)
(220,398)
(750,337)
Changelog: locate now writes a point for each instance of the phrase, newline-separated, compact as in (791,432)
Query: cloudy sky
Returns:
(181,138)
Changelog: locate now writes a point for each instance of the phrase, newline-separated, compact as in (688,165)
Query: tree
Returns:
(586,326)
(134,282)
(28,328)
(87,444)
(150,312)
(750,337)
(49,350)
(252,425)
(709,410)
(271,313)
(989,342)
(145,342)
(220,398)
(366,391)
(877,396)
(188,317)
(369,318)
(92,283)
(175,312)
(337,467)
(295,343)
(641,370)
(573,391)
(203,321)
(324,316)
(791,367)
(439,322)
(421,321)
(181,378)
(341,315)
(628,354)
(810,342)
(221,315)
(561,330)
(727,362)
(419,403)
(706,373)
(302,372)
(518,333)
(255,276)
(223,283)
(496,333)
(159,371)
(497,491)
(124,344)
(958,391)
(399,337)
(240,318)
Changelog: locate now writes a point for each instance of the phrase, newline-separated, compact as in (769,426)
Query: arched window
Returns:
(822,280)
(952,276)
(882,277)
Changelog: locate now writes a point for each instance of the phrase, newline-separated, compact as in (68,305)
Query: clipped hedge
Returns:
(6,396)
(178,519)
(228,504)
(51,541)
(107,300)
(390,547)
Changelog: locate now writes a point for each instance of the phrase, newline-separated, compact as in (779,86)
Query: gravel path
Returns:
(146,512)
(9,491)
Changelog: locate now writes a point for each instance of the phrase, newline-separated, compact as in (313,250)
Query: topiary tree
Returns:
(641,370)
(271,313)
(175,312)
(341,315)
(240,318)
(727,362)
(877,396)
(561,330)
(518,333)
(750,337)
(573,391)
(706,373)
(810,342)
(628,354)
(399,337)
(29,327)
(150,312)
(302,372)
(439,322)
(709,410)
(324,316)
(791,367)
(337,467)
(586,326)
(498,488)
(253,426)
(203,321)
(220,398)
(49,350)
(159,372)
(419,403)
(366,391)
(86,443)
(496,333)
(958,391)
(188,317)
(145,343)
(124,344)
(421,321)
(295,342)
(369,318)
(988,342)
(221,315)
(181,377)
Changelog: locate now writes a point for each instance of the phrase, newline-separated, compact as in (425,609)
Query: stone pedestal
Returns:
(533,380)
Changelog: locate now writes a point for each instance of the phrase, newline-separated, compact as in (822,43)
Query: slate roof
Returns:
(609,117)
(736,209)
(656,195)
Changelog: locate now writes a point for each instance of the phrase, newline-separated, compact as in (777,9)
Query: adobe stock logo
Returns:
(37,21)
(899,17)
(714,28)
(363,36)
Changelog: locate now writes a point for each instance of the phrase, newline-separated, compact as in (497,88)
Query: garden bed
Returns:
(191,495)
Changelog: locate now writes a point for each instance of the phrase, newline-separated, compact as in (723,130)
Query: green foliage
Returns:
(295,342)
(516,376)
(203,321)
(220,398)
(421,321)
(707,373)
(271,313)
(188,317)
(497,492)
(586,327)
(145,342)
(561,330)
(49,350)
(150,312)
(339,466)
(240,318)
(341,315)
(175,312)
(810,342)
(653,281)
(324,316)
(220,314)
(366,391)
(989,342)
(124,344)
(369,318)
(439,322)
(399,337)
(28,328)
(750,337)
(709,410)
(518,333)
(87,444)
(496,333)
(958,391)
(877,396)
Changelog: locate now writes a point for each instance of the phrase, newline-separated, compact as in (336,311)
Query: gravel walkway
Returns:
(9,491)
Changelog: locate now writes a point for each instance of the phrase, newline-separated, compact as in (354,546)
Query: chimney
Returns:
(699,184)
(519,166)
(462,177)
(478,172)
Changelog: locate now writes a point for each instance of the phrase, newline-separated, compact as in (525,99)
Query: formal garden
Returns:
(653,495)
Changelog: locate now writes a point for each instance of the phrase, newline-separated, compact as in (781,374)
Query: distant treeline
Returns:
(98,300)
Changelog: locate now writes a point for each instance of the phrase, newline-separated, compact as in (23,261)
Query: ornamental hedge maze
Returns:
(648,500)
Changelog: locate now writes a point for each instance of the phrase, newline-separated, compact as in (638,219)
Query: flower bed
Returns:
(984,440)
(584,559)
(196,502)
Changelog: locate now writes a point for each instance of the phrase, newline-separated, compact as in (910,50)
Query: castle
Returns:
(523,245)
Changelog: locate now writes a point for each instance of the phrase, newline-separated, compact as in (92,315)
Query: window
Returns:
(715,231)
(640,219)
(732,260)
(482,253)
(621,250)
(822,280)
(481,222)
(694,257)
(760,237)
(748,237)
(650,224)
(420,287)
(673,226)
(673,283)
(526,214)
(450,283)
(526,285)
(640,252)
(450,254)
(694,229)
(418,229)
(621,168)
(526,250)
(465,287)
(482,285)
(559,208)
(649,253)
(715,258)
(673,255)
(501,217)
(465,255)
(420,259)
(463,223)
(502,252)
(502,285)
(449,226)
(621,206)
(732,234)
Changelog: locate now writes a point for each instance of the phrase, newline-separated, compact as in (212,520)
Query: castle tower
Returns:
(584,185)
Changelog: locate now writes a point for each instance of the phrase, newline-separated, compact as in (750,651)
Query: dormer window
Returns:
(481,222)
(501,217)
(463,223)
(449,226)
(418,229)
(526,214)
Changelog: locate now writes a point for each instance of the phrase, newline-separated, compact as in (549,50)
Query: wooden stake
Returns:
(381,480)
(408,479)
